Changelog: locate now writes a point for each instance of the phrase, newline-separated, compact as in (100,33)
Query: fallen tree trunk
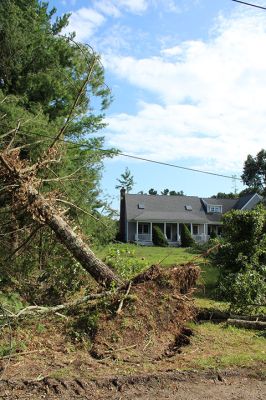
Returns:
(72,241)
(258,325)
(39,208)
(217,315)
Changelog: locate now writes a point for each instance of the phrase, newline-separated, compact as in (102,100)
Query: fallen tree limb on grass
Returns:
(42,310)
(258,325)
(217,315)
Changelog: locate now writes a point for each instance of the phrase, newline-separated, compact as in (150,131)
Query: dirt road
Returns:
(237,385)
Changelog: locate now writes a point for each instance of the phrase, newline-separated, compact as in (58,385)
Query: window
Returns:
(141,206)
(188,208)
(215,209)
(143,228)
(195,229)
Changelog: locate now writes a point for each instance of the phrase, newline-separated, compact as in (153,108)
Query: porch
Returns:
(143,232)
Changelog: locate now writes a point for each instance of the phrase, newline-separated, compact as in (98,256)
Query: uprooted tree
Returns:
(49,184)
(48,150)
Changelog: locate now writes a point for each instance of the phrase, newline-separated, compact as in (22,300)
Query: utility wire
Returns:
(178,166)
(250,4)
(118,153)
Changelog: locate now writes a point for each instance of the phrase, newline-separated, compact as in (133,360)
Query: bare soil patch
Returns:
(188,386)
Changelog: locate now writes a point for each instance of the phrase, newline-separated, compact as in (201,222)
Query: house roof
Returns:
(160,207)
(244,200)
(141,207)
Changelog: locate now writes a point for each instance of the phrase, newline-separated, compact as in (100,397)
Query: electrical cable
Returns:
(249,4)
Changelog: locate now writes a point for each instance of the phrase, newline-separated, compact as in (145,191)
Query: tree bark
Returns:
(259,325)
(72,241)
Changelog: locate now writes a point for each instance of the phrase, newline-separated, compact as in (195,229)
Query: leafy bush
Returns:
(185,236)
(245,290)
(242,259)
(213,235)
(158,238)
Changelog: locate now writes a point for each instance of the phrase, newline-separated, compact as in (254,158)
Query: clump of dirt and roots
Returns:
(148,319)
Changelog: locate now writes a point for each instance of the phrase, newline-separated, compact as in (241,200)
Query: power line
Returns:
(82,146)
(178,166)
(250,4)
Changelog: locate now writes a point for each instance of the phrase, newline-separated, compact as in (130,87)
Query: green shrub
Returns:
(242,259)
(213,235)
(185,236)
(158,238)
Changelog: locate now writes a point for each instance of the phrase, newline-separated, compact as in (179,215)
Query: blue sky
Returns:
(189,85)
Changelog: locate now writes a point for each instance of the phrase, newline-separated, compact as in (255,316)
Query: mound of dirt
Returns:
(150,320)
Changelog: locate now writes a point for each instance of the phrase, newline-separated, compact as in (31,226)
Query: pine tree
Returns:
(126,181)
(43,96)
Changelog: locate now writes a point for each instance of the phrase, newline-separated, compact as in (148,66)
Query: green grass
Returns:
(11,301)
(147,256)
(153,255)
(221,346)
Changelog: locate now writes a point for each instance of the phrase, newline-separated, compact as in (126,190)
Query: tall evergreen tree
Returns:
(47,83)
(126,181)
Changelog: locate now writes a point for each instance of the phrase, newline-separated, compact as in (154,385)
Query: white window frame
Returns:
(215,209)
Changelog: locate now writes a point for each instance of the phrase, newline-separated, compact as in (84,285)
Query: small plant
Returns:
(158,237)
(124,262)
(213,235)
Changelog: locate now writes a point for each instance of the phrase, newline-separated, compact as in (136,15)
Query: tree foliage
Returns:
(152,192)
(158,238)
(242,258)
(47,86)
(185,236)
(174,193)
(221,195)
(126,181)
(254,173)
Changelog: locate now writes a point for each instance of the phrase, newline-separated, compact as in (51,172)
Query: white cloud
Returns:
(172,51)
(84,22)
(134,6)
(107,7)
(211,97)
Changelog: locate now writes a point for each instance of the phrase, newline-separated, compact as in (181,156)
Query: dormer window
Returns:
(188,208)
(141,206)
(214,209)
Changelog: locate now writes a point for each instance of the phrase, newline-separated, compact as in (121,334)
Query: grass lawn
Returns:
(221,346)
(152,255)
(166,256)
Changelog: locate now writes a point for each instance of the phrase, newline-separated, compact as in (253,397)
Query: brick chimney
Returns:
(122,222)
